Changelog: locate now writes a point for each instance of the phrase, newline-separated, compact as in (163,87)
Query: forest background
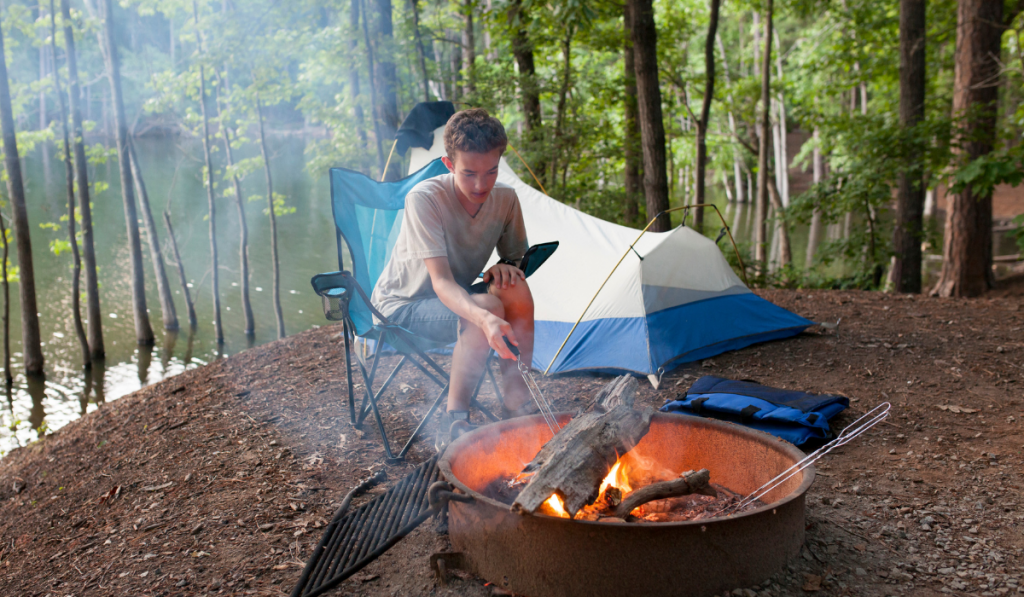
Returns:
(624,111)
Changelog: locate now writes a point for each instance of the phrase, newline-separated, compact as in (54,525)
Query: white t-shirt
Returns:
(436,225)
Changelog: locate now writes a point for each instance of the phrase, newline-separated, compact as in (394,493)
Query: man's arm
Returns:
(458,300)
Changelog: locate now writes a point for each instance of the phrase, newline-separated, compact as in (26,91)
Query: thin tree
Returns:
(181,272)
(92,292)
(69,175)
(967,251)
(468,49)
(906,241)
(215,274)
(737,160)
(243,227)
(631,152)
(374,113)
(705,112)
(143,331)
(387,82)
(353,73)
(31,347)
(421,54)
(273,222)
(560,109)
(170,315)
(652,129)
(7,304)
(529,88)
(817,226)
(764,146)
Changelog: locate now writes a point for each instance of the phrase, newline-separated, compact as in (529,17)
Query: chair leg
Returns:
(348,374)
(476,391)
(384,387)
(437,402)
(367,382)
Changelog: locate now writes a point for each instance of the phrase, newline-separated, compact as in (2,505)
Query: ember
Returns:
(614,489)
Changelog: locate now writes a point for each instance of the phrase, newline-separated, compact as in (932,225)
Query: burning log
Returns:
(687,483)
(575,462)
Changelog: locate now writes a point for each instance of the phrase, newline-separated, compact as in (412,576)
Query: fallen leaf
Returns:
(158,487)
(958,409)
(860,547)
(812,582)
(365,577)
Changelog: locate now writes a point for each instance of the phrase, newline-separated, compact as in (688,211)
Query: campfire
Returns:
(570,477)
(525,486)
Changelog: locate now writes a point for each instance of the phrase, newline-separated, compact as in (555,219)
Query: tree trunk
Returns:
(181,273)
(353,72)
(16,191)
(92,292)
(781,230)
(764,146)
(967,253)
(468,50)
(529,88)
(421,53)
(737,174)
(371,69)
(906,242)
(243,231)
(170,315)
(387,81)
(273,223)
(218,328)
(782,163)
(631,144)
(705,112)
(143,331)
(8,377)
(652,128)
(69,176)
(814,236)
(563,94)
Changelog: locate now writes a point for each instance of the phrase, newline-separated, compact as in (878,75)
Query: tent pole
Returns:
(743,269)
(530,170)
(388,162)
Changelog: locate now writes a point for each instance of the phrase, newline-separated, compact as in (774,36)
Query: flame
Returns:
(616,478)
(555,504)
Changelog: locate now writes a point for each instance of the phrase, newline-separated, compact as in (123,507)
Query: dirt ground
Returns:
(219,481)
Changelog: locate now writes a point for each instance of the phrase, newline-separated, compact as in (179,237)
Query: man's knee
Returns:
(490,302)
(518,295)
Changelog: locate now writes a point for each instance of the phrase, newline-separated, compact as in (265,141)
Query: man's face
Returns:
(475,173)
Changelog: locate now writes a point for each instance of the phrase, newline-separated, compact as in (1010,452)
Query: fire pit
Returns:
(542,556)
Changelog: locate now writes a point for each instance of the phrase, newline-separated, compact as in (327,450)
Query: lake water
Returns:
(173,170)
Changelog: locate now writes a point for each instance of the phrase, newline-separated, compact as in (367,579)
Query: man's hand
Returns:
(502,275)
(496,330)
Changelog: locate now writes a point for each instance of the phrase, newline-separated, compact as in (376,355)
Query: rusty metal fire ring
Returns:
(543,556)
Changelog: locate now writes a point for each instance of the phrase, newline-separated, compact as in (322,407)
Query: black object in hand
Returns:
(512,347)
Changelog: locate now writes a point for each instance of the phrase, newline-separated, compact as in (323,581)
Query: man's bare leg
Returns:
(470,354)
(517,303)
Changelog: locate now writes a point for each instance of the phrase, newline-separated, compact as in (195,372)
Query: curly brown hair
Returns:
(474,131)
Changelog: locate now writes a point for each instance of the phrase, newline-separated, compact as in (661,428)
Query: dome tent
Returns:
(673,299)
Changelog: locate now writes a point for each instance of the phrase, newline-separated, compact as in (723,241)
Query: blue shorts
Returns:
(431,319)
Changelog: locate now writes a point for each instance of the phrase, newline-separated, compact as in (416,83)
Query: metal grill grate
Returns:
(354,539)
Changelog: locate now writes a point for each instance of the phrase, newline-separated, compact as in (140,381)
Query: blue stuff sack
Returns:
(796,417)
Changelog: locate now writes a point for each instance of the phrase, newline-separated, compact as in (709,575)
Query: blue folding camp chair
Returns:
(367,217)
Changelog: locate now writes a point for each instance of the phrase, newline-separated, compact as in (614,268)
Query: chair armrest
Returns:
(334,289)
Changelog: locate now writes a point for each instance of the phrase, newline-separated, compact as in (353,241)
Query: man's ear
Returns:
(448,163)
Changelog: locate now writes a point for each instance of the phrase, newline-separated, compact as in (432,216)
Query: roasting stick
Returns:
(543,406)
(873,417)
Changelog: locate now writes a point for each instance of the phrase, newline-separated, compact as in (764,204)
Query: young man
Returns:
(452,225)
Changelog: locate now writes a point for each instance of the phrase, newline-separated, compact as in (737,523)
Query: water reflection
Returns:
(174,176)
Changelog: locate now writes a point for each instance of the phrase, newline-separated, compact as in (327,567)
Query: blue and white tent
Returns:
(674,300)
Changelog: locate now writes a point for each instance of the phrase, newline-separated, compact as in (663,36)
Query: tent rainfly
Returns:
(672,300)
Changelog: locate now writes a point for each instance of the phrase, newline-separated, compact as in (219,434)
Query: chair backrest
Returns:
(368,216)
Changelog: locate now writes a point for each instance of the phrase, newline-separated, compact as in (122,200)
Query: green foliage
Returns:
(1018,232)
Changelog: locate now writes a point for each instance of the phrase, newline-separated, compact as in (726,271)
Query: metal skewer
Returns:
(871,418)
(543,406)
